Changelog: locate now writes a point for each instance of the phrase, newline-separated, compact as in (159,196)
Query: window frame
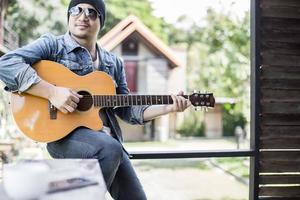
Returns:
(253,152)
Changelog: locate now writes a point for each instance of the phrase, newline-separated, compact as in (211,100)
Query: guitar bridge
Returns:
(52,111)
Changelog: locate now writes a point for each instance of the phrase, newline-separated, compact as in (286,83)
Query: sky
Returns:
(170,10)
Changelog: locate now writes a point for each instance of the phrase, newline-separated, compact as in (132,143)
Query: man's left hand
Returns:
(179,103)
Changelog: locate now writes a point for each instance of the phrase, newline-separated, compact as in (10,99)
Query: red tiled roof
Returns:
(131,25)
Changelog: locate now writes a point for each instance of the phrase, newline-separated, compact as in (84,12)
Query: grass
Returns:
(237,166)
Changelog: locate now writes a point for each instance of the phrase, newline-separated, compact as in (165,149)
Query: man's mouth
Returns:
(82,25)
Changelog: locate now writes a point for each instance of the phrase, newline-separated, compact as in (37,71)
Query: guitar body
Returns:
(32,114)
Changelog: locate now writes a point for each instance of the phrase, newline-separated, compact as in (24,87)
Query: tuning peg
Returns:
(198,109)
(205,109)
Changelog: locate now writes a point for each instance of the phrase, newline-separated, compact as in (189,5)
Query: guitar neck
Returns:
(132,100)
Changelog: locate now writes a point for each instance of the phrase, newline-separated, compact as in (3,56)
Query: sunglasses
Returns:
(91,13)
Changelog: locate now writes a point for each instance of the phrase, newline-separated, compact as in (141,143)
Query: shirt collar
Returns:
(71,44)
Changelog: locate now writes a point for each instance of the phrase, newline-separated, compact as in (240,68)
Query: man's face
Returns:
(82,26)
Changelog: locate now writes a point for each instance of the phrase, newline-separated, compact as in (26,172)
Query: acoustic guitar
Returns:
(38,119)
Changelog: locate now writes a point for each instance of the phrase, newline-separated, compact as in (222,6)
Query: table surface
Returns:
(61,169)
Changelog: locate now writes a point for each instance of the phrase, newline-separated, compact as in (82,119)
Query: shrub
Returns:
(192,125)
(231,119)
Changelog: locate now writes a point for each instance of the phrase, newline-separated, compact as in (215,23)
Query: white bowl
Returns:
(26,180)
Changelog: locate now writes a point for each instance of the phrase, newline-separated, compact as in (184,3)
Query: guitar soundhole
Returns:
(85,102)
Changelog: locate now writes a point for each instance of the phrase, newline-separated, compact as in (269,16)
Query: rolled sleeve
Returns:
(132,114)
(139,114)
(27,78)
(17,75)
(15,67)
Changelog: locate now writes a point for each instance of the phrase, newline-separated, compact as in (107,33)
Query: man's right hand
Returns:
(64,99)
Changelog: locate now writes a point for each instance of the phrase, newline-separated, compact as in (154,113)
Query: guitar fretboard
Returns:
(131,100)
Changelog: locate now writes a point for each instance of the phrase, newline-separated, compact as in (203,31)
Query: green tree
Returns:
(219,61)
(32,18)
(226,67)
(117,10)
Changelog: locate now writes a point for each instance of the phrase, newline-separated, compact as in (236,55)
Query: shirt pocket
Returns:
(74,66)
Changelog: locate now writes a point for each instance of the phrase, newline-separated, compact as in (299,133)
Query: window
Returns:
(130,47)
(251,164)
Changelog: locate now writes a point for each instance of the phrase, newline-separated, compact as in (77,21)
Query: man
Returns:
(78,51)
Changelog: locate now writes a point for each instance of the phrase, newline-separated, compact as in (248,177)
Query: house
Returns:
(151,68)
(213,118)
(154,68)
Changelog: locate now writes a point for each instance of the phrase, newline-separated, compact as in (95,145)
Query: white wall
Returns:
(155,77)
(213,122)
(132,132)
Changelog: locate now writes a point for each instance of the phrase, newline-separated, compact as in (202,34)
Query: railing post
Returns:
(255,98)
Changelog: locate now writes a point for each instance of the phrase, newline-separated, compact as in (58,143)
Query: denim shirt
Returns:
(18,75)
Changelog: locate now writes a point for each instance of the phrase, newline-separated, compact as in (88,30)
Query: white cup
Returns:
(27,180)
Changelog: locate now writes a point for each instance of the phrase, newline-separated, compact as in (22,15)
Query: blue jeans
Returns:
(119,175)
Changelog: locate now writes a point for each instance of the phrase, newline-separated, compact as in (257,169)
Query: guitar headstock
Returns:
(202,99)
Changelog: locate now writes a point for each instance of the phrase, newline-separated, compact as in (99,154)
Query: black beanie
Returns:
(97,4)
